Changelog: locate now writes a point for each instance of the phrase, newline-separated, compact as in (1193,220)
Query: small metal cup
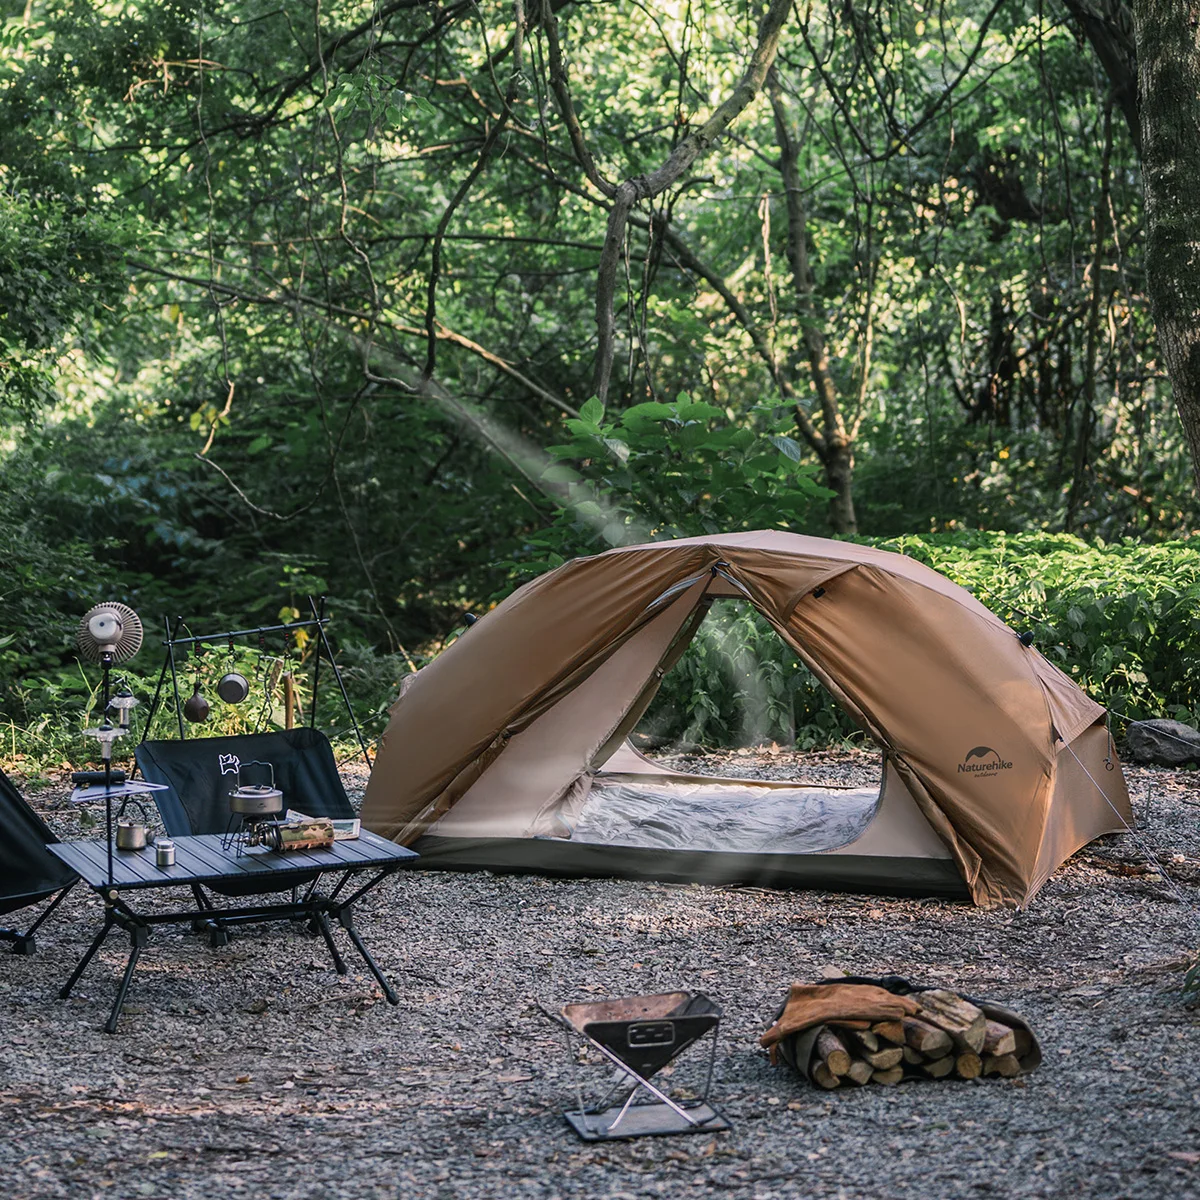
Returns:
(164,852)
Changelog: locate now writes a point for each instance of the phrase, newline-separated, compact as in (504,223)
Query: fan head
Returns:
(111,630)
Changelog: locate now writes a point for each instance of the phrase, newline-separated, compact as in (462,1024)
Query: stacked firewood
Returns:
(948,1037)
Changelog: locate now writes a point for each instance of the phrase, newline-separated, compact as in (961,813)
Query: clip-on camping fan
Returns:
(640,1035)
(108,634)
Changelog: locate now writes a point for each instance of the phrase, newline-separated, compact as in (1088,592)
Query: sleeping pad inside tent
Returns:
(510,750)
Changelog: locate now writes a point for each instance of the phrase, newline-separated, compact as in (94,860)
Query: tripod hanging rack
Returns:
(316,622)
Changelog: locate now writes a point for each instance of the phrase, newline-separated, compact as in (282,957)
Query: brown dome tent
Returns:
(509,751)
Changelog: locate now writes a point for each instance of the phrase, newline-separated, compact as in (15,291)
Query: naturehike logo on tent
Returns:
(983,760)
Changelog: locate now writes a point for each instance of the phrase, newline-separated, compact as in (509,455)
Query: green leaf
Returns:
(787,447)
(592,411)
(614,533)
(619,449)
(649,410)
(259,444)
(698,410)
(561,473)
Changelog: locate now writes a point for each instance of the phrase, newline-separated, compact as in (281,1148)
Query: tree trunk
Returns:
(839,479)
(1168,52)
(835,444)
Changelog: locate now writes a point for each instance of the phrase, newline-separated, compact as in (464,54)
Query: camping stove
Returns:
(251,805)
(640,1035)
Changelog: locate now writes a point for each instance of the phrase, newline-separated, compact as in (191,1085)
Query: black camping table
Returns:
(204,859)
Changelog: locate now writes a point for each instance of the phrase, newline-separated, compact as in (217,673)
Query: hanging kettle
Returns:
(195,707)
(233,688)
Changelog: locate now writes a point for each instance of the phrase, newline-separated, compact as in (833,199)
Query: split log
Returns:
(832,1052)
(966,1024)
(866,1039)
(968,1065)
(824,1076)
(1000,1039)
(860,1072)
(1004,1065)
(925,1038)
(939,1068)
(912,1057)
(885,1059)
(889,1031)
(890,1076)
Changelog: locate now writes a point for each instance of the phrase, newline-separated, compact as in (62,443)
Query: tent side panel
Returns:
(831,872)
(899,828)
(541,762)
(1089,799)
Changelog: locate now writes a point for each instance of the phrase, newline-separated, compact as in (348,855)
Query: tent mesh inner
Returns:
(729,817)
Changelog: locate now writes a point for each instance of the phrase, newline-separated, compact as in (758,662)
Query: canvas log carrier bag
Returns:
(851,1007)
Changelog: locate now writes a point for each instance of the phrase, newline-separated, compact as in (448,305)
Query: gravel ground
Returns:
(255,1070)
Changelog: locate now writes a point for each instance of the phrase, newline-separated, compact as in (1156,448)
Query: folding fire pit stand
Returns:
(640,1035)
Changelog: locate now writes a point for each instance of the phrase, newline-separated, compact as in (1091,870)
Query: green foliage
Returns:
(238,414)
(62,272)
(46,573)
(657,471)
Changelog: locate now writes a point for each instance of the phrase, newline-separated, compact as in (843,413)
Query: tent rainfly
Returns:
(509,751)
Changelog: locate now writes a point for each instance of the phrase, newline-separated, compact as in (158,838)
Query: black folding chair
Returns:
(199,774)
(29,873)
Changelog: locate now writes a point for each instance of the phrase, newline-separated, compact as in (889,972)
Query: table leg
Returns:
(323,924)
(88,955)
(137,939)
(202,903)
(346,920)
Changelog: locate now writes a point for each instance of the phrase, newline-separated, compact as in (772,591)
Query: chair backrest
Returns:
(201,772)
(28,871)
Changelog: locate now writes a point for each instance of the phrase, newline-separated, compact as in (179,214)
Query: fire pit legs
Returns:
(639,1035)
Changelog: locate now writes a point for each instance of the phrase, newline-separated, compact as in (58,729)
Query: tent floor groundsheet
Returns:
(575,860)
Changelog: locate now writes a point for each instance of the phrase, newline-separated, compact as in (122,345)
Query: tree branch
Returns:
(646,187)
(562,93)
(435,268)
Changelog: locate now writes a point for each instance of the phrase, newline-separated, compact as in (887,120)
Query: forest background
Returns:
(403,303)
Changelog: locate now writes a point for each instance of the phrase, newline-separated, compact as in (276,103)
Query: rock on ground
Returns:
(1162,743)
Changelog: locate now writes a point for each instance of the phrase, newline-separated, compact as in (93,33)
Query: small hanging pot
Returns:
(233,688)
(195,707)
